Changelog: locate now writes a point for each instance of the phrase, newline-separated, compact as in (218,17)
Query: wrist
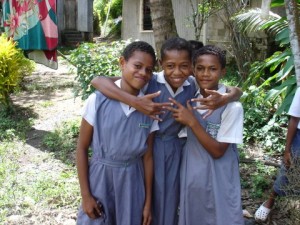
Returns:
(86,195)
(226,98)
(133,101)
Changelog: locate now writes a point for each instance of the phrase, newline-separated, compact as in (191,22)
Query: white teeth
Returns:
(177,79)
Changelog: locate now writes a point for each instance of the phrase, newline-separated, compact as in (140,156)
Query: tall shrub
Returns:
(96,60)
(13,67)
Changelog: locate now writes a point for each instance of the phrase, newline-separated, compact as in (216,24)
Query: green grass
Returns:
(62,141)
(42,181)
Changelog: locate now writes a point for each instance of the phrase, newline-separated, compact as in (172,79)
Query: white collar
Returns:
(161,79)
(126,108)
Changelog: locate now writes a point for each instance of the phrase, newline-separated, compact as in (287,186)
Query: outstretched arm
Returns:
(216,99)
(148,168)
(186,116)
(89,203)
(143,104)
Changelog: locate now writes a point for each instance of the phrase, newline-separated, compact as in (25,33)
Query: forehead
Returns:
(176,55)
(208,59)
(142,57)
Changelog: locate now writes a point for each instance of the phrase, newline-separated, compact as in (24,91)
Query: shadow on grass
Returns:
(16,122)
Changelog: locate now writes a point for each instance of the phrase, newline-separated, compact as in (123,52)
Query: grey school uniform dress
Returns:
(210,188)
(167,151)
(116,172)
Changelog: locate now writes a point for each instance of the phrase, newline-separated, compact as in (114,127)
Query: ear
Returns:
(223,72)
(122,62)
(160,63)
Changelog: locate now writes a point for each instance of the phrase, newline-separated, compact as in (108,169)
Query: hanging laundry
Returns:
(33,25)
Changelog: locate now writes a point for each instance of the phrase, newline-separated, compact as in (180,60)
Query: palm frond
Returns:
(251,21)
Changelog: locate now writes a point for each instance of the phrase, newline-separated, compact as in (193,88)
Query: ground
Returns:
(51,106)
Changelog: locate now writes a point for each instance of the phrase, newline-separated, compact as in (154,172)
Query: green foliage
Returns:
(13,67)
(62,142)
(261,179)
(275,74)
(101,7)
(96,23)
(94,60)
(232,77)
(261,125)
(13,126)
(115,9)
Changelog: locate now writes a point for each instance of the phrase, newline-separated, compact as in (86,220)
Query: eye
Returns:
(149,70)
(184,66)
(137,66)
(169,66)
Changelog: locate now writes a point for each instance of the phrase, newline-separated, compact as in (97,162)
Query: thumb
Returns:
(153,95)
(188,104)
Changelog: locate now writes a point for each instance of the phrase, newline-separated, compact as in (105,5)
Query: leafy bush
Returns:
(261,180)
(13,67)
(94,60)
(261,124)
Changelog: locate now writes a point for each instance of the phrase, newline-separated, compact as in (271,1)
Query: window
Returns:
(146,15)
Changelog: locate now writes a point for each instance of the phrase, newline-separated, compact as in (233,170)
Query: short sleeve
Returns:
(231,129)
(295,106)
(89,110)
(154,126)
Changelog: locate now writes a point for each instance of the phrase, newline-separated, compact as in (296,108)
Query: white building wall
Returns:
(214,32)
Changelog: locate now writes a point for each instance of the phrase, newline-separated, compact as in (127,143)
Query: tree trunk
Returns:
(292,12)
(163,22)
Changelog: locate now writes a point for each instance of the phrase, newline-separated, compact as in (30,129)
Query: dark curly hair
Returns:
(138,46)
(175,43)
(211,50)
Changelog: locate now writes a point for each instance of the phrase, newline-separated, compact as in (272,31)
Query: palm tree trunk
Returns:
(163,22)
(292,12)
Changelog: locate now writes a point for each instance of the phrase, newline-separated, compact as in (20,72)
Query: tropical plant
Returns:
(14,66)
(109,13)
(96,60)
(276,73)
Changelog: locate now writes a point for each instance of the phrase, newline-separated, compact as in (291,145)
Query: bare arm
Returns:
(148,168)
(292,129)
(143,104)
(186,116)
(89,204)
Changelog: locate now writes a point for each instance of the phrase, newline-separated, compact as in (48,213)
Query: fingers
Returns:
(94,210)
(147,220)
(207,114)
(174,102)
(153,95)
(155,117)
(211,92)
(99,209)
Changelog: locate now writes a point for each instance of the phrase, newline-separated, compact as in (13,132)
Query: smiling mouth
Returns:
(177,79)
(141,79)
